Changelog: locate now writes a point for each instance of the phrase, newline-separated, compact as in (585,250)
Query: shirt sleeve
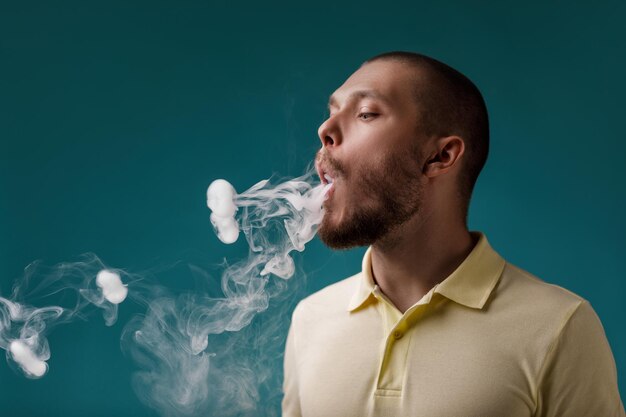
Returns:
(579,376)
(291,399)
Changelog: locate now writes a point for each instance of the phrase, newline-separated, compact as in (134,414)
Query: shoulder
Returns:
(534,304)
(329,300)
(532,290)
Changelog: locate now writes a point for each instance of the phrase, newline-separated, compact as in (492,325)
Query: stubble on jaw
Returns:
(392,194)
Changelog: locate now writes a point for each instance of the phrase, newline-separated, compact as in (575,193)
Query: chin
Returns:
(359,228)
(330,235)
(337,237)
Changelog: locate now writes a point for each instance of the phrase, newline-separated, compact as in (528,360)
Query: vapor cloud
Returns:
(195,352)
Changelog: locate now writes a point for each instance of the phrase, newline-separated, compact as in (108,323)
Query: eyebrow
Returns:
(360,94)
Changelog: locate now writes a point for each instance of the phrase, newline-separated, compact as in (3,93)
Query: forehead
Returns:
(389,81)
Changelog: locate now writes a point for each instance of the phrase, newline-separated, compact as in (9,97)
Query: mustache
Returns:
(324,159)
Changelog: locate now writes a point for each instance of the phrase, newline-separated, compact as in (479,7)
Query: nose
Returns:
(329,133)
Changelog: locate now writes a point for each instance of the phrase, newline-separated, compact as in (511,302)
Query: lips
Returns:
(328,178)
(325,174)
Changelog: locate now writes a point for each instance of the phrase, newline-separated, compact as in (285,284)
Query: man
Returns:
(436,323)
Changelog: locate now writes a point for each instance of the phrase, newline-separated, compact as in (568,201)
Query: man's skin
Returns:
(405,139)
(380,137)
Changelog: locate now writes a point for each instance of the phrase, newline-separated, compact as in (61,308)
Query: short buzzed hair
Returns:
(449,103)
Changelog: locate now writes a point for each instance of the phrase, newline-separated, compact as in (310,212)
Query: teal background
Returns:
(116,115)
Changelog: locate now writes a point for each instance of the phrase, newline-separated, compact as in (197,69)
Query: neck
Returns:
(407,263)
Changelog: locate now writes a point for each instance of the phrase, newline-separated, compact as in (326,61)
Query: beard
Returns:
(391,195)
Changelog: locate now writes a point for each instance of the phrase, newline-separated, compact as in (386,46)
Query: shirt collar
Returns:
(470,284)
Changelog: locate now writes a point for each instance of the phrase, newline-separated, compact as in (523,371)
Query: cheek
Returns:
(363,140)
(369,177)
(388,171)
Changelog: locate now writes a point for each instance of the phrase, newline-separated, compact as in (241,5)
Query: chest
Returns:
(433,368)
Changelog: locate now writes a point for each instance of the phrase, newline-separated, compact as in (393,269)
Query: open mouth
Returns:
(327,178)
(328,181)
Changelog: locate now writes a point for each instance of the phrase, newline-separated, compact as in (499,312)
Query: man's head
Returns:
(404,128)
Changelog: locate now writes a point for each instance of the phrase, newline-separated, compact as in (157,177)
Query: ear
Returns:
(447,154)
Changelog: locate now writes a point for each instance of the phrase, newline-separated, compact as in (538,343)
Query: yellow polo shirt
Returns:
(491,340)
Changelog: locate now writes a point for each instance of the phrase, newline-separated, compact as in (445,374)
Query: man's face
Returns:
(371,150)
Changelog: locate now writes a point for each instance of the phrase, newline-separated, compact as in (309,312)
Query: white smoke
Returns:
(184,374)
(22,353)
(112,287)
(197,352)
(24,327)
(221,200)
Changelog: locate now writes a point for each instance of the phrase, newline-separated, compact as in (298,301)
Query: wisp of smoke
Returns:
(172,340)
(197,353)
(23,327)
